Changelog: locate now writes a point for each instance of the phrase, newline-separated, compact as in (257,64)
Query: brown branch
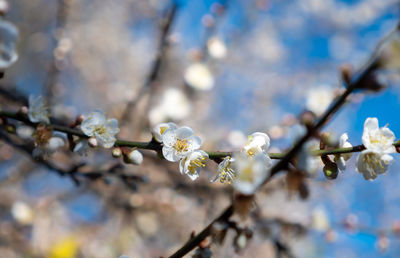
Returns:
(153,75)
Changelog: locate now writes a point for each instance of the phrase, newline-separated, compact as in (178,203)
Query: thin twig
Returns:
(153,75)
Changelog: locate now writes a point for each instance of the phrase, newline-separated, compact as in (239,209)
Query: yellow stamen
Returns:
(181,145)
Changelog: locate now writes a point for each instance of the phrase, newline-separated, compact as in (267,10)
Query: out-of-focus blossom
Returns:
(199,76)
(8,40)
(307,162)
(237,139)
(257,142)
(225,172)
(379,144)
(159,130)
(251,171)
(174,105)
(82,147)
(390,53)
(25,132)
(178,143)
(216,48)
(135,157)
(319,99)
(104,130)
(38,111)
(56,141)
(341,159)
(191,164)
(320,220)
(22,213)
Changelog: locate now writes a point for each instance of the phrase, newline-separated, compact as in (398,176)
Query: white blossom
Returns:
(216,48)
(159,130)
(371,164)
(104,130)
(56,141)
(225,172)
(377,139)
(25,132)
(319,99)
(379,144)
(82,147)
(199,76)
(341,159)
(38,111)
(192,163)
(174,105)
(8,40)
(178,143)
(307,162)
(251,172)
(257,142)
(22,213)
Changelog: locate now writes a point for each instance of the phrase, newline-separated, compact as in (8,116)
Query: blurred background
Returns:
(224,68)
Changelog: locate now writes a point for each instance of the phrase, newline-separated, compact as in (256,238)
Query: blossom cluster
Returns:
(247,169)
(180,144)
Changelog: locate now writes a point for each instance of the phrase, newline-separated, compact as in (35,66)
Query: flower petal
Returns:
(371,124)
(169,137)
(169,154)
(184,132)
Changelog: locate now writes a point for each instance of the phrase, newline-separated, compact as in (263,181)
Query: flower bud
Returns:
(134,157)
(331,170)
(116,153)
(24,109)
(92,142)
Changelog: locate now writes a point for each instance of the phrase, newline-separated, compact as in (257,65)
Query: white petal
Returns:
(169,154)
(343,140)
(169,137)
(182,166)
(363,168)
(184,132)
(112,126)
(193,176)
(196,142)
(341,163)
(261,139)
(81,147)
(371,124)
(105,140)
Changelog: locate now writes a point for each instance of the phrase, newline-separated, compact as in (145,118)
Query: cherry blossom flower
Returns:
(82,147)
(174,105)
(379,144)
(159,130)
(38,111)
(307,162)
(191,164)
(104,130)
(216,48)
(178,143)
(198,76)
(342,158)
(257,142)
(251,172)
(225,172)
(319,99)
(56,141)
